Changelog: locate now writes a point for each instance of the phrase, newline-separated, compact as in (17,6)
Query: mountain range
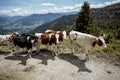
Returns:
(41,22)
(105,17)
(24,24)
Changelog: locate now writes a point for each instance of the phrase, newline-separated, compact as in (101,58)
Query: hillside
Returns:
(109,13)
(56,24)
(5,20)
(2,31)
(30,22)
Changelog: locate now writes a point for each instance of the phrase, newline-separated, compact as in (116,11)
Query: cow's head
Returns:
(15,34)
(100,42)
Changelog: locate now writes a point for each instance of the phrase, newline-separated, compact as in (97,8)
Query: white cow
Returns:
(87,41)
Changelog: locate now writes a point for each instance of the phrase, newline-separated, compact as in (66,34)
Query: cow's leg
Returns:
(48,46)
(86,55)
(10,47)
(60,46)
(16,50)
(38,47)
(72,47)
(57,49)
(54,48)
(30,53)
(24,50)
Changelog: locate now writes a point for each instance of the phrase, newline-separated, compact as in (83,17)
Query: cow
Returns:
(48,39)
(63,33)
(50,31)
(87,41)
(62,36)
(7,39)
(24,41)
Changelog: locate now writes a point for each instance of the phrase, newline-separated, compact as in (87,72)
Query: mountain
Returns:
(106,17)
(56,24)
(15,18)
(2,31)
(5,20)
(31,22)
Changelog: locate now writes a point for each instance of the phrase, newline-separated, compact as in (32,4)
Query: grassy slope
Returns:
(114,47)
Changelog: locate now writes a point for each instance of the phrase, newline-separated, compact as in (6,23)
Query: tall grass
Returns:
(114,47)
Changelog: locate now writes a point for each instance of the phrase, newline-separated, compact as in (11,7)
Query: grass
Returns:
(4,48)
(113,47)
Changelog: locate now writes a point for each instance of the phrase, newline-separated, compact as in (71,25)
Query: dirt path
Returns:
(62,67)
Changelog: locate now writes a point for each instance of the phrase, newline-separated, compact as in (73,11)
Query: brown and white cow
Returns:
(62,36)
(48,39)
(87,41)
(7,39)
(50,31)
(62,33)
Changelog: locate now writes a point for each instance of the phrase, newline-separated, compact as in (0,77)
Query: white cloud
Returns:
(55,9)
(20,11)
(2,12)
(15,11)
(47,4)
(76,7)
(104,4)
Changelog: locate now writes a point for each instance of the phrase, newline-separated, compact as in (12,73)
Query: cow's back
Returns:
(81,39)
(20,41)
(44,38)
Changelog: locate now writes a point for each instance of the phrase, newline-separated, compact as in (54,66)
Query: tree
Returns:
(85,22)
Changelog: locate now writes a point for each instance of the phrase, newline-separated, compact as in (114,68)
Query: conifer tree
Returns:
(85,22)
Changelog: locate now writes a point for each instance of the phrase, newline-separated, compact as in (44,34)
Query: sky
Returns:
(28,7)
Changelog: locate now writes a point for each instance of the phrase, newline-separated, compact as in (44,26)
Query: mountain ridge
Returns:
(99,14)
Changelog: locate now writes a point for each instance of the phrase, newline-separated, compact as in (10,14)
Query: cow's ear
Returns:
(99,42)
(102,35)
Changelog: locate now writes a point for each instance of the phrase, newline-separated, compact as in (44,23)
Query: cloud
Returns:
(55,9)
(76,7)
(47,4)
(104,4)
(15,11)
